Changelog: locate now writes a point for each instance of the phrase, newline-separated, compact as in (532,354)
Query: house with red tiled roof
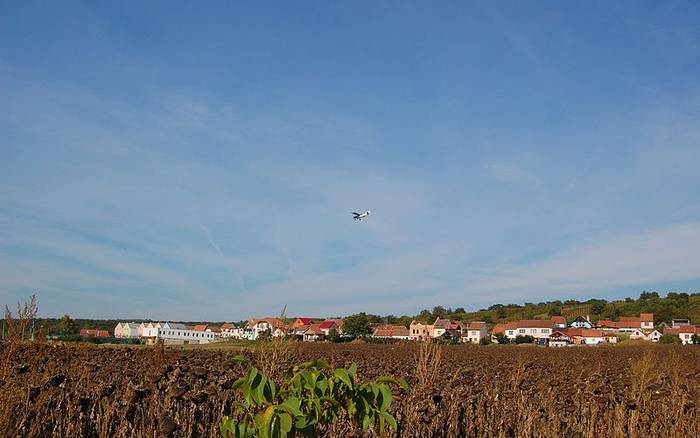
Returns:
(327,325)
(539,329)
(476,330)
(686,333)
(507,329)
(392,332)
(560,338)
(313,333)
(629,324)
(229,330)
(592,337)
(558,321)
(302,321)
(440,326)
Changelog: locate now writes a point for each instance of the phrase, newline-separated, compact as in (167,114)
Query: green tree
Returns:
(648,295)
(425,315)
(67,326)
(554,311)
(524,339)
(501,313)
(501,338)
(597,307)
(669,339)
(356,325)
(439,311)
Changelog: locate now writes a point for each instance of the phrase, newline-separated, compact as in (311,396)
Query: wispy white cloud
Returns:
(512,173)
(665,254)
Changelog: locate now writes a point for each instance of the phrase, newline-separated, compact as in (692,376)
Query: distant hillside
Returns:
(673,305)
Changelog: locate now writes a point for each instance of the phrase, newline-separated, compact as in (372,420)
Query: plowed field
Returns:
(510,391)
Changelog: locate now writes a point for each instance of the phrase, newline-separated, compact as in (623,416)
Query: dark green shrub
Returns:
(524,339)
(312,395)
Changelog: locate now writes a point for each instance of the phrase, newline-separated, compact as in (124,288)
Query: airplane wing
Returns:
(356,213)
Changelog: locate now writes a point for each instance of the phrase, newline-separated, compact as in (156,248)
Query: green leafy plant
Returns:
(312,395)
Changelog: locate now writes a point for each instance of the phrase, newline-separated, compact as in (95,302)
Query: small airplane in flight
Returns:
(359,216)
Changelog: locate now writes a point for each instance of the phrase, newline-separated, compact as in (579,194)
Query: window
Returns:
(521,331)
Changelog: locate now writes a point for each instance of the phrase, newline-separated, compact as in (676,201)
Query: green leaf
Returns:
(317,363)
(366,420)
(385,391)
(240,358)
(237,384)
(392,380)
(258,388)
(285,423)
(344,376)
(227,425)
(351,407)
(353,369)
(266,422)
(292,405)
(390,419)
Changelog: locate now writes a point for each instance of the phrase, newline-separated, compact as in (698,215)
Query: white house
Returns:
(560,339)
(592,337)
(685,333)
(440,326)
(255,327)
(539,329)
(476,330)
(127,330)
(173,333)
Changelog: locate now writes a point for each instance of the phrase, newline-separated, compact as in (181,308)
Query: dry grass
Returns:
(273,356)
(428,363)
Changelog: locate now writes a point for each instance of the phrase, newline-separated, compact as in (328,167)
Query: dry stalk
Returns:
(428,363)
(275,354)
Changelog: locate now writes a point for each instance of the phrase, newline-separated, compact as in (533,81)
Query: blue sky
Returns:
(189,161)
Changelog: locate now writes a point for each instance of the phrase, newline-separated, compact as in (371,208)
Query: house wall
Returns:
(174,334)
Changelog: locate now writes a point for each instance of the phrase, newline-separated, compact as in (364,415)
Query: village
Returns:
(553,332)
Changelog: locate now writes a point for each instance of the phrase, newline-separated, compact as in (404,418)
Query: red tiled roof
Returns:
(227,325)
(688,329)
(200,327)
(305,321)
(574,331)
(327,324)
(606,323)
(559,334)
(391,331)
(534,323)
(558,320)
(590,333)
(629,322)
(646,317)
(476,325)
